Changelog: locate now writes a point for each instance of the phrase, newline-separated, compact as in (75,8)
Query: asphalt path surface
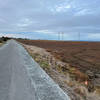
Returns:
(21,78)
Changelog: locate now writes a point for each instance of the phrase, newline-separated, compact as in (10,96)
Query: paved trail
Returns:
(21,78)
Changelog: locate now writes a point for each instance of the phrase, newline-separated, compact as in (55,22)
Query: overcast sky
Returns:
(45,18)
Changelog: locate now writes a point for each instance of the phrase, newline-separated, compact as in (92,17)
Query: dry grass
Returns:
(77,77)
(82,55)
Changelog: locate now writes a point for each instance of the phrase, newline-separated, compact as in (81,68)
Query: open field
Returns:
(82,55)
(85,56)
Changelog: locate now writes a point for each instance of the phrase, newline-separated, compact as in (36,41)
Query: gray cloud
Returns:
(52,15)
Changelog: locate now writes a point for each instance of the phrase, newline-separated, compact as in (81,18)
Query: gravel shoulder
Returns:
(21,78)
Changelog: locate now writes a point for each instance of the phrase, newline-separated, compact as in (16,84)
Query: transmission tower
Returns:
(79,36)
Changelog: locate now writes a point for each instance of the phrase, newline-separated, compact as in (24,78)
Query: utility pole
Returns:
(58,35)
(79,37)
(62,35)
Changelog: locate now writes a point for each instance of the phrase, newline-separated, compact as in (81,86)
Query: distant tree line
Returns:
(3,39)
